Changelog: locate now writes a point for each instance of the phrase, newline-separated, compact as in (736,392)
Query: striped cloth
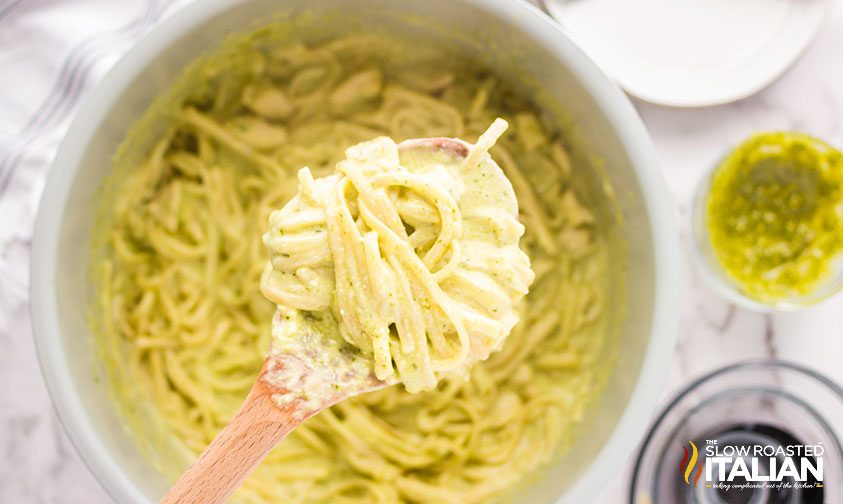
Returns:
(52,52)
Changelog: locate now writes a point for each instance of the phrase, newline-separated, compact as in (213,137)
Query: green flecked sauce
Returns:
(774,214)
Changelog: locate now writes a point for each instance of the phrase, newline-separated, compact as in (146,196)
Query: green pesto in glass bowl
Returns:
(768,222)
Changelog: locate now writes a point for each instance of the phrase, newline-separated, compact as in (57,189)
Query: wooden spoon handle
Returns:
(237,450)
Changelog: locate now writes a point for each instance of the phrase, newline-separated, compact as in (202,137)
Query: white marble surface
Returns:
(38,463)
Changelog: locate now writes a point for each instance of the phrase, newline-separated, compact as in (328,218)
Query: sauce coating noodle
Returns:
(178,286)
(410,255)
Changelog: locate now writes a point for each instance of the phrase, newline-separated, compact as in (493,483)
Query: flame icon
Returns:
(686,467)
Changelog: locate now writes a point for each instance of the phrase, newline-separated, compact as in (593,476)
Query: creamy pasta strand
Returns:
(185,326)
(409,252)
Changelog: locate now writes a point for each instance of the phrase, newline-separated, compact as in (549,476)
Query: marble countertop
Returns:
(38,463)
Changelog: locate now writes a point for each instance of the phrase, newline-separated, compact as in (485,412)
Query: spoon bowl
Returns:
(263,420)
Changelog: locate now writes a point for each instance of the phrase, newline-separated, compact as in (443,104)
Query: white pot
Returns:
(512,35)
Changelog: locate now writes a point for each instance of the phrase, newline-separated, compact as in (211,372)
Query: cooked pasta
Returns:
(410,255)
(186,328)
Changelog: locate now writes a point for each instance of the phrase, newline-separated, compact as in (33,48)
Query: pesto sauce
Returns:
(774,215)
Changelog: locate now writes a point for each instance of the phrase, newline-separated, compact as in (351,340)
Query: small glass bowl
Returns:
(759,402)
(726,286)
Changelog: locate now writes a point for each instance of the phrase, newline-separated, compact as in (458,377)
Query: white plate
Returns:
(692,53)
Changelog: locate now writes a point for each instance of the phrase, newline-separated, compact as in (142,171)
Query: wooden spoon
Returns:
(275,406)
(246,440)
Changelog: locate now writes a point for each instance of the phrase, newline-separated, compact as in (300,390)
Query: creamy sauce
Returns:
(310,365)
(411,253)
(183,329)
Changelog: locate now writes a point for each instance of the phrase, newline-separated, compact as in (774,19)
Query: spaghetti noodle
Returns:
(186,328)
(412,255)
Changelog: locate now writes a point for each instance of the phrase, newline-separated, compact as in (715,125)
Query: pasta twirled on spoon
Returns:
(408,252)
(374,254)
(184,330)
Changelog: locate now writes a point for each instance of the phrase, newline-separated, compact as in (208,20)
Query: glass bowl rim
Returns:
(694,384)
